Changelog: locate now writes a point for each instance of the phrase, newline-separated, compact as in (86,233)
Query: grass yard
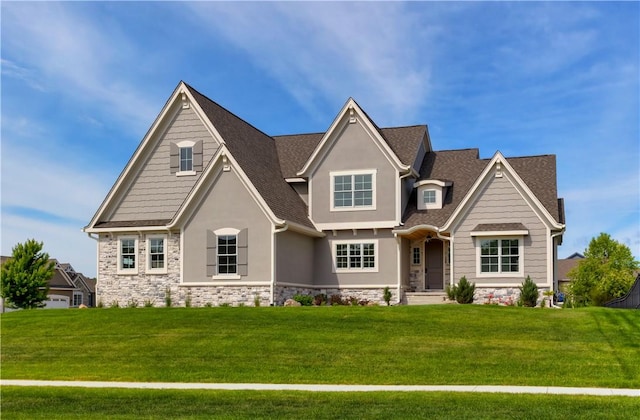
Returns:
(70,403)
(445,344)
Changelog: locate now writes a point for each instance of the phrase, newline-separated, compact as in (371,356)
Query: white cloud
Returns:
(56,48)
(325,52)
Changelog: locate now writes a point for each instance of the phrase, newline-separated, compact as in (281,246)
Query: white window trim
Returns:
(332,175)
(226,232)
(413,254)
(181,145)
(519,273)
(148,256)
(127,271)
(376,259)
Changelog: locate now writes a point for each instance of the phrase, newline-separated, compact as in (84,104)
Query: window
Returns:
(77,298)
(353,191)
(157,254)
(227,254)
(186,159)
(127,254)
(500,256)
(355,256)
(429,196)
(416,256)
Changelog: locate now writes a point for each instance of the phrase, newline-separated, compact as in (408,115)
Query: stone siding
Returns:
(502,295)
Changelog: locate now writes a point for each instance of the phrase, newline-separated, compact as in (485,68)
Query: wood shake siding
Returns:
(500,202)
(156,193)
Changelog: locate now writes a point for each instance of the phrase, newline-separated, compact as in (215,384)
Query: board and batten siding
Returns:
(156,193)
(500,202)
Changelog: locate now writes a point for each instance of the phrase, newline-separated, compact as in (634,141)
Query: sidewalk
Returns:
(333,388)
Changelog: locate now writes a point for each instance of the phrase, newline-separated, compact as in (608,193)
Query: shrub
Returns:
(304,300)
(148,303)
(115,304)
(386,295)
(167,297)
(187,300)
(132,303)
(256,301)
(320,299)
(353,301)
(335,300)
(528,293)
(450,291)
(464,291)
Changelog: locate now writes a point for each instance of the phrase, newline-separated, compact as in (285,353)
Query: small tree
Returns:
(386,295)
(25,276)
(607,272)
(463,292)
(528,293)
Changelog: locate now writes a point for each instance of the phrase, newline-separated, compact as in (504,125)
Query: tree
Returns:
(606,272)
(25,276)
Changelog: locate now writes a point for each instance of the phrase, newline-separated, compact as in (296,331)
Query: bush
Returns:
(386,295)
(450,291)
(304,300)
(167,297)
(320,299)
(463,292)
(335,300)
(528,293)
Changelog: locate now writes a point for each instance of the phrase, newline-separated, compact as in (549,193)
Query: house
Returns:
(212,210)
(67,288)
(565,265)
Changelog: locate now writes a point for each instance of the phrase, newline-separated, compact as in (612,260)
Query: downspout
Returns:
(274,260)
(553,281)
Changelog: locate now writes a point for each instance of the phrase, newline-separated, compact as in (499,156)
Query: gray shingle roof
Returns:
(463,167)
(295,150)
(499,227)
(256,154)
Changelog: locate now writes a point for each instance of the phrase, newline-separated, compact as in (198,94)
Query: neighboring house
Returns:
(212,210)
(564,266)
(68,288)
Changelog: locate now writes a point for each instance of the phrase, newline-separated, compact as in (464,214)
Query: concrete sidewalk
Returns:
(333,388)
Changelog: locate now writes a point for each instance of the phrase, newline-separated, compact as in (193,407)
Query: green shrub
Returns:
(528,293)
(167,297)
(132,303)
(304,300)
(148,303)
(256,301)
(386,295)
(115,304)
(187,300)
(450,291)
(463,292)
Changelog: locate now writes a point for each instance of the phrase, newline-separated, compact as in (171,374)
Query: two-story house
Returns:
(212,210)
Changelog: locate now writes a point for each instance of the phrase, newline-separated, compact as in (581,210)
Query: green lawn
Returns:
(77,403)
(444,344)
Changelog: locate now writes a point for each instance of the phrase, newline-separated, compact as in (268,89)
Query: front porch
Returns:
(429,266)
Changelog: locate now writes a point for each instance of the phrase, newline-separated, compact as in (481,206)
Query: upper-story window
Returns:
(431,193)
(186,159)
(429,196)
(353,190)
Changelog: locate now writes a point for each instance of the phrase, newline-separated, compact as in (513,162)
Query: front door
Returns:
(433,265)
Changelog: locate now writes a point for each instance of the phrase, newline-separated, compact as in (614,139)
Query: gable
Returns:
(154,191)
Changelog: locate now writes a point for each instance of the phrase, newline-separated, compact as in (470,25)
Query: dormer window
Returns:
(431,193)
(429,197)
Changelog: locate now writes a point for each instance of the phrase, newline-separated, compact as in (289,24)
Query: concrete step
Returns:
(425,298)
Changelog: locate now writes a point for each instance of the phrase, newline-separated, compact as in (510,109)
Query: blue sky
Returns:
(82,83)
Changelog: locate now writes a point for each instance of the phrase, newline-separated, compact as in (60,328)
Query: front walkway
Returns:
(333,388)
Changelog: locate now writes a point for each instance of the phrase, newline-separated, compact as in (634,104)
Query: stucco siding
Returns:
(156,193)
(294,258)
(500,202)
(386,263)
(354,150)
(227,204)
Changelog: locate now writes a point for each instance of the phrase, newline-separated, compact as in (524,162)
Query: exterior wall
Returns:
(387,260)
(354,150)
(127,290)
(156,193)
(227,204)
(294,258)
(500,202)
(502,296)
(302,188)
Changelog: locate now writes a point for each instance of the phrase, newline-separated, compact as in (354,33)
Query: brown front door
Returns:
(433,265)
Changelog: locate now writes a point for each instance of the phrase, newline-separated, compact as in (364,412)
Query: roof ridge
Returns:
(226,110)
